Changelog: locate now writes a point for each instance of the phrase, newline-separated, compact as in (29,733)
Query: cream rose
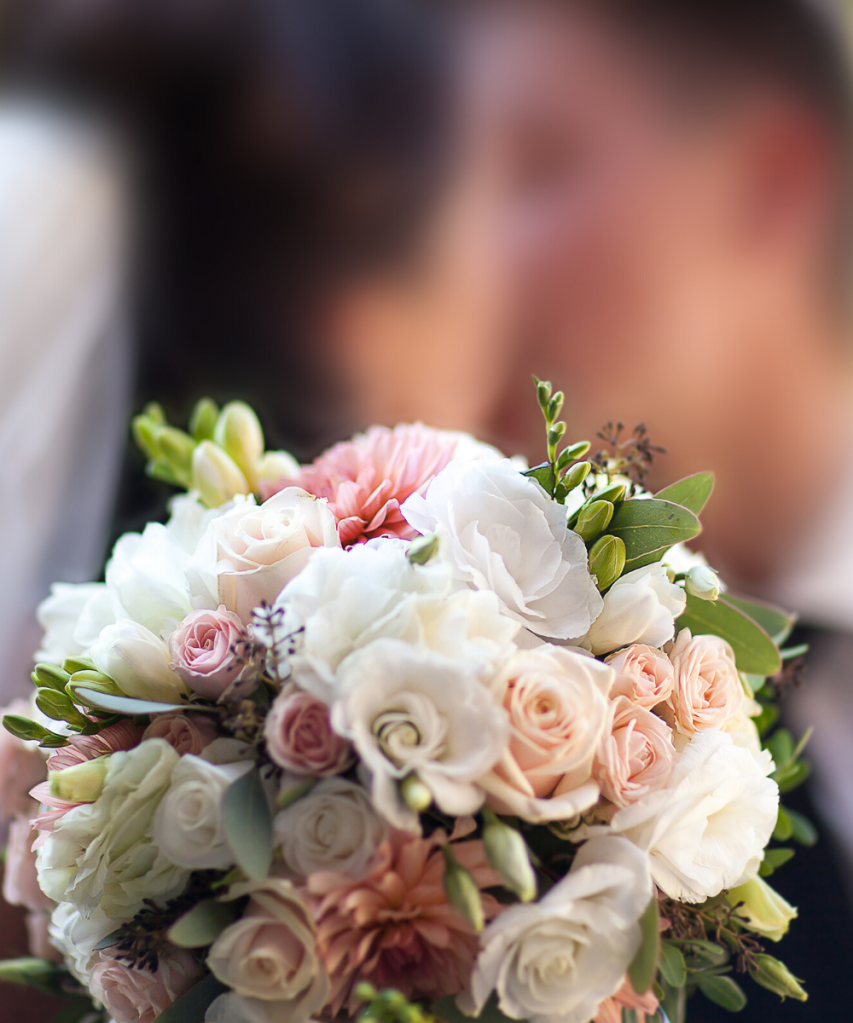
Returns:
(637,757)
(249,554)
(557,960)
(557,705)
(501,532)
(333,829)
(645,675)
(270,954)
(138,662)
(640,608)
(300,738)
(131,995)
(708,690)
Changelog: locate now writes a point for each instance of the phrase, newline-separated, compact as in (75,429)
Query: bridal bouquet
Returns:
(412,732)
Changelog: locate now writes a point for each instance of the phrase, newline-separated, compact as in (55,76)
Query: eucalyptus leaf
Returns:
(193,1006)
(672,966)
(125,704)
(248,825)
(644,968)
(111,940)
(722,991)
(778,624)
(755,652)
(203,924)
(650,528)
(784,830)
(692,493)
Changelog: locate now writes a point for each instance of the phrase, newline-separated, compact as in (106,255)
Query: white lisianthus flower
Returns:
(414,713)
(705,832)
(762,909)
(345,600)
(249,554)
(501,532)
(76,936)
(72,618)
(333,829)
(102,856)
(557,960)
(188,823)
(138,662)
(640,608)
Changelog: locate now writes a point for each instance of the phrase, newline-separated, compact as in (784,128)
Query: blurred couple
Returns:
(358,211)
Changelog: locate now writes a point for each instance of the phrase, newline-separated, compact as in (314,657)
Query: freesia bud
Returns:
(507,852)
(82,783)
(594,519)
(58,707)
(703,583)
(607,560)
(462,891)
(415,794)
(762,909)
(204,418)
(239,434)
(576,475)
(138,662)
(776,977)
(275,470)
(50,676)
(216,476)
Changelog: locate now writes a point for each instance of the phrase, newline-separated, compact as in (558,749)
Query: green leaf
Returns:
(125,704)
(692,493)
(644,968)
(74,1012)
(722,991)
(755,652)
(445,1009)
(248,825)
(39,974)
(193,1006)
(672,966)
(754,683)
(802,829)
(781,746)
(784,830)
(774,859)
(650,528)
(544,476)
(792,653)
(792,776)
(111,940)
(674,1003)
(24,728)
(203,924)
(778,624)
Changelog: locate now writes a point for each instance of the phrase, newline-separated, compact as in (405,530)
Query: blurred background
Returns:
(369,211)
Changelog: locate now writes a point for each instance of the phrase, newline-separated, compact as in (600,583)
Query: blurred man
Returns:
(677,179)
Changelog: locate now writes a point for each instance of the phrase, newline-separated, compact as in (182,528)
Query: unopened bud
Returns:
(556,434)
(423,550)
(462,891)
(24,728)
(555,406)
(74,664)
(576,475)
(365,992)
(776,977)
(50,676)
(607,560)
(543,392)
(177,448)
(203,420)
(615,493)
(216,476)
(82,783)
(59,707)
(762,909)
(146,434)
(507,852)
(703,583)
(276,470)
(594,519)
(415,794)
(239,434)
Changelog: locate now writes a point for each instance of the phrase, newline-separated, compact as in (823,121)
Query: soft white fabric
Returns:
(64,362)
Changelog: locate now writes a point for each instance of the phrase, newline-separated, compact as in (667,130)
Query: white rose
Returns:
(76,936)
(333,829)
(345,600)
(706,831)
(640,608)
(188,823)
(502,532)
(138,662)
(190,518)
(233,1008)
(412,713)
(102,855)
(557,960)
(249,554)
(72,618)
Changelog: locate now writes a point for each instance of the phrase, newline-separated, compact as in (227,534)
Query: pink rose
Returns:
(646,676)
(137,996)
(20,883)
(708,690)
(203,654)
(300,737)
(22,767)
(637,757)
(186,733)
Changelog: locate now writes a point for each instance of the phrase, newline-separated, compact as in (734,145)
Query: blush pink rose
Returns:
(203,654)
(300,738)
(637,757)
(20,883)
(367,479)
(21,767)
(645,676)
(708,690)
(137,996)
(186,733)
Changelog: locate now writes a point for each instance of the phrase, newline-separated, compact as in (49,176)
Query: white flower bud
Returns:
(82,783)
(507,853)
(703,583)
(762,909)
(216,476)
(275,469)
(138,662)
(238,432)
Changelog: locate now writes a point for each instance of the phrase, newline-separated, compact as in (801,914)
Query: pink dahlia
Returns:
(365,480)
(396,928)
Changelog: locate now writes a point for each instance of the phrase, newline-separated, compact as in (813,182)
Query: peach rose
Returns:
(637,757)
(708,689)
(558,709)
(20,883)
(186,733)
(300,737)
(22,767)
(645,676)
(136,996)
(203,650)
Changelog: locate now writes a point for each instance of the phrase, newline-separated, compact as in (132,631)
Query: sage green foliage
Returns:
(754,650)
(722,991)
(247,824)
(193,1006)
(649,528)
(203,924)
(644,968)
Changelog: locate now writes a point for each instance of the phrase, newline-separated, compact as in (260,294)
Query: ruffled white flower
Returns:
(345,600)
(706,831)
(190,518)
(102,855)
(333,829)
(188,826)
(76,936)
(640,608)
(413,713)
(73,617)
(557,960)
(501,532)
